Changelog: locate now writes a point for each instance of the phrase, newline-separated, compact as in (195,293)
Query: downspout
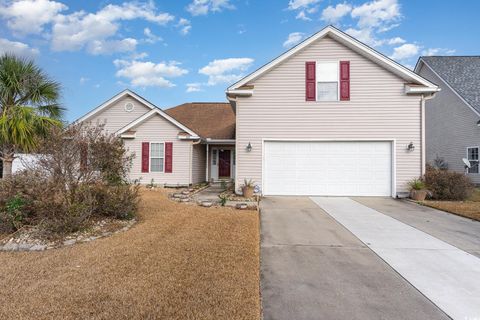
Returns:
(207,164)
(422,106)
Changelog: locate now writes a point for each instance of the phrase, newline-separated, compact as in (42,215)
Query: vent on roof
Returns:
(129,107)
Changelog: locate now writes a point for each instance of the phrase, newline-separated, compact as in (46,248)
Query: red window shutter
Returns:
(168,157)
(344,80)
(310,70)
(145,156)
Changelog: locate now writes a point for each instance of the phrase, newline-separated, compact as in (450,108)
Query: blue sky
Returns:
(172,52)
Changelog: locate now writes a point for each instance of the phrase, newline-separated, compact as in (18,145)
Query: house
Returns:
(453,117)
(331,116)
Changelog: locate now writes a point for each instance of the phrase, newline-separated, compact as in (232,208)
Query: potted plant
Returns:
(418,192)
(248,188)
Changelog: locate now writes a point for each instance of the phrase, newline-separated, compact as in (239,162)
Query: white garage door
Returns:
(328,168)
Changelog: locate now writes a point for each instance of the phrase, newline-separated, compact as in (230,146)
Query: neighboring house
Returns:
(331,116)
(453,117)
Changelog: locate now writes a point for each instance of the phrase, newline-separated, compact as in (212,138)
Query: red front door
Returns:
(224,163)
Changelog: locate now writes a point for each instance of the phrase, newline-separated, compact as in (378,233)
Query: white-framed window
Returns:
(472,156)
(214,157)
(157,156)
(327,78)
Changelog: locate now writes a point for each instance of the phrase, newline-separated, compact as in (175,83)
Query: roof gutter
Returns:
(233,93)
(416,89)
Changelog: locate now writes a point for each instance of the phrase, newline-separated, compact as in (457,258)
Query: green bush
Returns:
(447,185)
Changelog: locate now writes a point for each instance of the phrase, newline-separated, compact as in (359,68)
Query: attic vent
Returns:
(129,107)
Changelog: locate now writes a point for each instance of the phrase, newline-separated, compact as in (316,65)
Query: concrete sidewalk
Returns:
(448,276)
(313,268)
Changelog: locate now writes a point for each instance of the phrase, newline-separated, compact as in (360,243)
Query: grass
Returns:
(469,208)
(178,262)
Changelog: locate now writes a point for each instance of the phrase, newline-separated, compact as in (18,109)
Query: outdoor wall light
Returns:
(478,123)
(249,147)
(410,147)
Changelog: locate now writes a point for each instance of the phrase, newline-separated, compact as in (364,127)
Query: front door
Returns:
(224,164)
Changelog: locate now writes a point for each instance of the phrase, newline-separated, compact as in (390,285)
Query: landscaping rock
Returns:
(241,206)
(38,247)
(69,242)
(185,200)
(207,204)
(185,192)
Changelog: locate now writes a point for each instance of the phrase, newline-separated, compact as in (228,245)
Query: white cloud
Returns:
(333,14)
(438,52)
(225,70)
(365,35)
(396,40)
(138,56)
(194,87)
(304,7)
(151,38)
(293,38)
(184,25)
(80,29)
(301,4)
(149,74)
(302,16)
(405,51)
(29,16)
(83,80)
(377,13)
(203,7)
(97,47)
(17,48)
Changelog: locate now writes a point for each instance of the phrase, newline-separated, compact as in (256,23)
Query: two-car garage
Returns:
(328,168)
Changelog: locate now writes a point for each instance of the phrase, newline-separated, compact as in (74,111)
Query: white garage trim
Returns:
(391,140)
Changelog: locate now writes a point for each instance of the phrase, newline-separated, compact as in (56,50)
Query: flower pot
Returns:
(248,192)
(418,195)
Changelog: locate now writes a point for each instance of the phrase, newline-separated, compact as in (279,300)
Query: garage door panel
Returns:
(328,168)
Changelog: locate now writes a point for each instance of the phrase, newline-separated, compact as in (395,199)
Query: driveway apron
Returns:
(314,268)
(448,276)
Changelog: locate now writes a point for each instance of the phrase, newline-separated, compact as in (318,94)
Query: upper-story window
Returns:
(472,156)
(327,81)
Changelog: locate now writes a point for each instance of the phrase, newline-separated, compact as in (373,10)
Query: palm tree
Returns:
(28,107)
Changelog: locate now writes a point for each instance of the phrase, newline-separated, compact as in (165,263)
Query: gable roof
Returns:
(114,99)
(354,44)
(161,113)
(154,110)
(460,73)
(215,120)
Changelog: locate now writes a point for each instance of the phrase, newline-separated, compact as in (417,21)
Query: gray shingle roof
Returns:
(461,73)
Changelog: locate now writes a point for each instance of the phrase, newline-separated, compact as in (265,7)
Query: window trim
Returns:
(478,160)
(317,62)
(150,157)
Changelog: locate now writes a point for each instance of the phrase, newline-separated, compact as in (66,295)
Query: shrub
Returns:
(79,173)
(447,185)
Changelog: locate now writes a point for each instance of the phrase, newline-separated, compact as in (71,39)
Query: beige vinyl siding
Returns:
(115,117)
(157,129)
(451,127)
(378,109)
(198,163)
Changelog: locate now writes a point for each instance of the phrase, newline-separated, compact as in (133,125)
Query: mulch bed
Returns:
(176,262)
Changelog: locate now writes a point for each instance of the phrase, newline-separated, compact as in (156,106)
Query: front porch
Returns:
(220,160)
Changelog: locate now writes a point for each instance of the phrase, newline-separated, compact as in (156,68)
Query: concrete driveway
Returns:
(314,267)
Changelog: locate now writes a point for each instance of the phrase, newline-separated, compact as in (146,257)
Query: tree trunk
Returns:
(7,165)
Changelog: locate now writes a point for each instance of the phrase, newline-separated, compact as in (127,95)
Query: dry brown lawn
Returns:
(178,262)
(469,208)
